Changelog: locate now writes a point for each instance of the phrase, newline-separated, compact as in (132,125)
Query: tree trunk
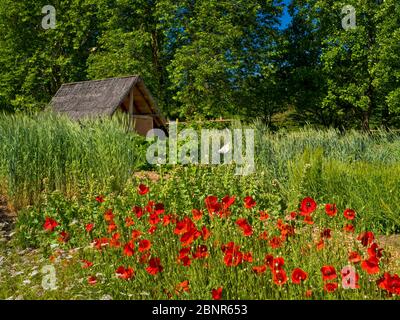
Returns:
(365,121)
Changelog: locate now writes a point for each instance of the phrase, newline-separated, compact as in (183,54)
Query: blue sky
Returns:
(286,17)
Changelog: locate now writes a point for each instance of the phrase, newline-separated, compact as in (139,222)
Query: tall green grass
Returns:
(353,170)
(45,152)
(353,146)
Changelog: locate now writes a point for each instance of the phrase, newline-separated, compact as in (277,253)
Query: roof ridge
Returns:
(99,80)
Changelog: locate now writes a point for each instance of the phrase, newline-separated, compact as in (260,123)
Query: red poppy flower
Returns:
(114,241)
(279,277)
(349,214)
(326,233)
(182,287)
(205,233)
(320,244)
(275,243)
(108,215)
(308,220)
(136,234)
(92,280)
(152,229)
(86,264)
(111,227)
(263,235)
(154,266)
(249,202)
(371,265)
(154,219)
(308,293)
(307,206)
(212,204)
(292,216)
(150,207)
(184,226)
(144,245)
(100,243)
(189,237)
(328,273)
(50,224)
(248,257)
(280,224)
(100,199)
(330,209)
(186,262)
(197,214)
(183,252)
(123,273)
(375,251)
(233,259)
(138,211)
(366,238)
(167,218)
(287,230)
(269,260)
(299,275)
(350,278)
(390,283)
(159,208)
(245,226)
(233,256)
(129,222)
(64,237)
(277,263)
(330,287)
(263,215)
(354,257)
(349,228)
(143,189)
(229,247)
(129,249)
(216,294)
(201,252)
(227,201)
(259,269)
(89,227)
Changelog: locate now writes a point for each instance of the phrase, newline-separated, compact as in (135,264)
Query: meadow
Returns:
(319,201)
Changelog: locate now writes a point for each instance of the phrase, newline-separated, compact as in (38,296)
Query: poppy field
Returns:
(312,222)
(136,246)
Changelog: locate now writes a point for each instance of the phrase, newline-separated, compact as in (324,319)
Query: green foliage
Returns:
(345,79)
(35,62)
(213,59)
(44,152)
(226,50)
(202,60)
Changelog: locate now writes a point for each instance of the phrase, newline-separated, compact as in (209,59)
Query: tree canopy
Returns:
(214,58)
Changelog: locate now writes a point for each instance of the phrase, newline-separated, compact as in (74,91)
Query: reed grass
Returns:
(45,152)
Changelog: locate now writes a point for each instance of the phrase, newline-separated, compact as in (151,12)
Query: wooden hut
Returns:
(99,98)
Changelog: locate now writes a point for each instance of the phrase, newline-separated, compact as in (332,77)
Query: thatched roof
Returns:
(89,99)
